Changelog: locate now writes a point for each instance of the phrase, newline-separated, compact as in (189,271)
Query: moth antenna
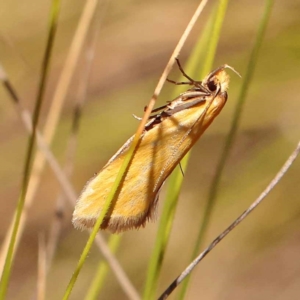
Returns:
(232,69)
(136,117)
(214,72)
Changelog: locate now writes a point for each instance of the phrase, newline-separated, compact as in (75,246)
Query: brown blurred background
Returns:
(261,258)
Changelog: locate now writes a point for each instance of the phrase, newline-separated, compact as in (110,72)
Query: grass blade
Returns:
(30,150)
(230,137)
(53,117)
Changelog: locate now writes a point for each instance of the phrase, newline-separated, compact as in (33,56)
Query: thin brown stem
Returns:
(171,61)
(71,147)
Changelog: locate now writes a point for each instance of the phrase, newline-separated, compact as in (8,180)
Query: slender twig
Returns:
(45,66)
(218,239)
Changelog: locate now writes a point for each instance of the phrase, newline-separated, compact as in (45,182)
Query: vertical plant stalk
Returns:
(233,225)
(71,147)
(176,178)
(53,117)
(30,149)
(215,184)
(129,156)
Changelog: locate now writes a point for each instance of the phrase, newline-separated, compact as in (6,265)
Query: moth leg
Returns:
(156,109)
(181,70)
(180,166)
(179,83)
(196,83)
(178,108)
(155,119)
(193,94)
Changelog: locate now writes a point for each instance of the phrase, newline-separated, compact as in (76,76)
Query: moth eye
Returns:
(212,86)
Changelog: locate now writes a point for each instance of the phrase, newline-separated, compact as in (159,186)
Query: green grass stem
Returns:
(30,149)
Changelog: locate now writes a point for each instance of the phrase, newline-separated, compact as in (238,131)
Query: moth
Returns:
(170,133)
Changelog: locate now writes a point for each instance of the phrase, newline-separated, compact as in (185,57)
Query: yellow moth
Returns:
(169,134)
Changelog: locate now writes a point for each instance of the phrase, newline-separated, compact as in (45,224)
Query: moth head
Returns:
(218,80)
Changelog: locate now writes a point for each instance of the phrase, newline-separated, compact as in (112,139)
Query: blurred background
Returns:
(131,43)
